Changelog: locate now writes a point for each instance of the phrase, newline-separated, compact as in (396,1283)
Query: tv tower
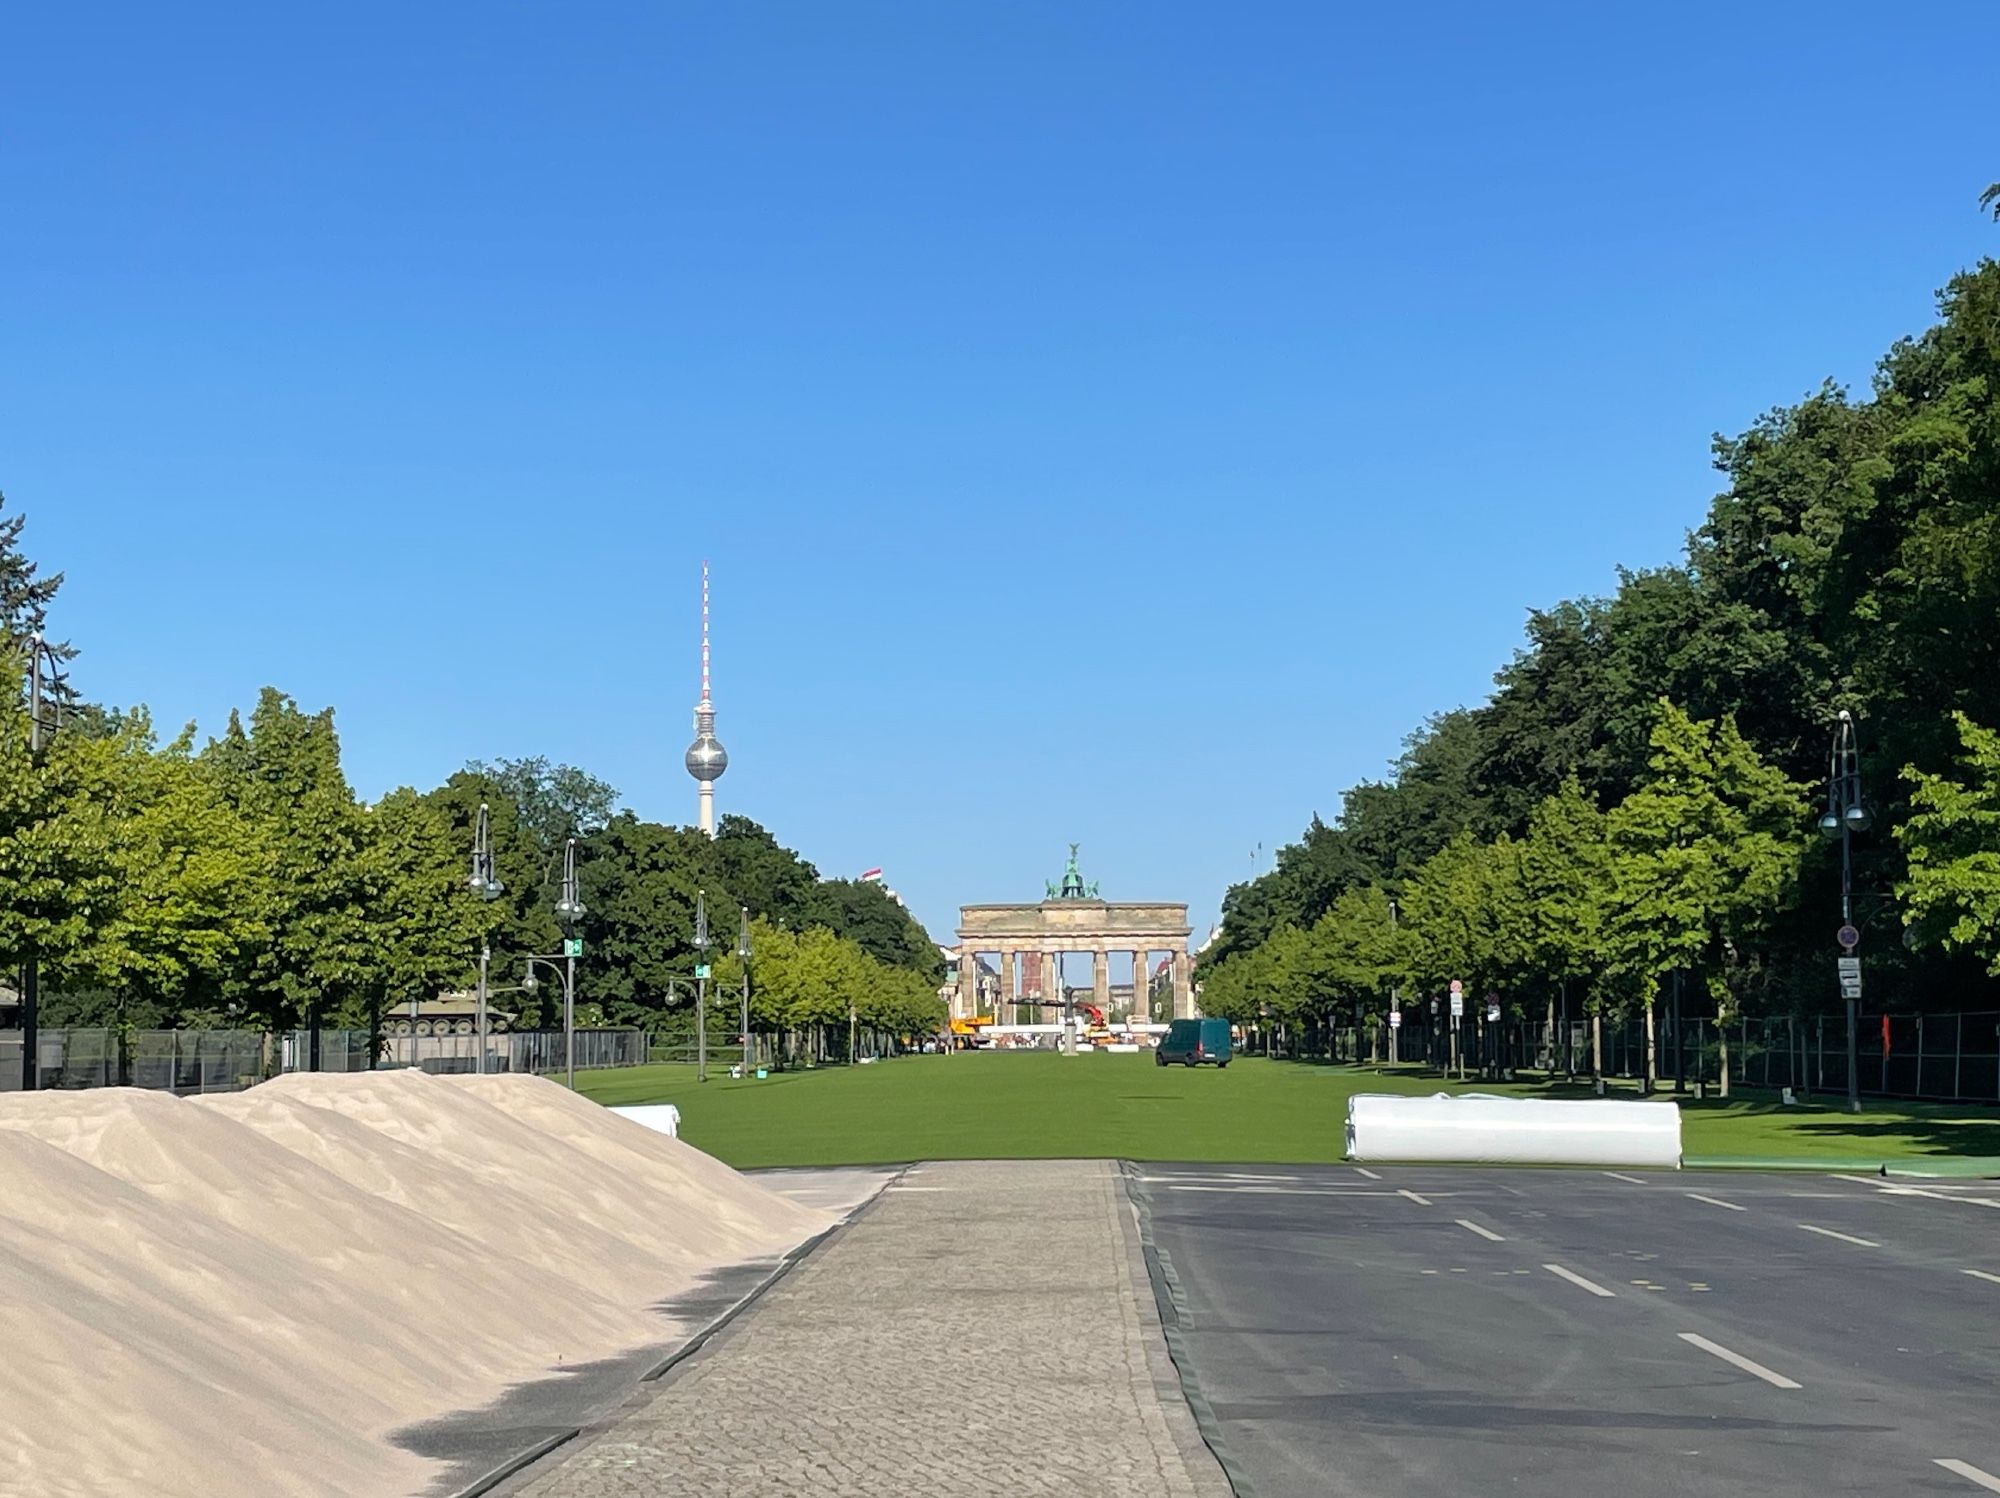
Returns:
(706,758)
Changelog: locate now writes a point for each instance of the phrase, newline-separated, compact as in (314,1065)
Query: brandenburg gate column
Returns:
(1142,999)
(968,982)
(1100,978)
(1006,990)
(1183,989)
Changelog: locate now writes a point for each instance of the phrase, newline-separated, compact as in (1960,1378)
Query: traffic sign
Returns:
(1848,937)
(1457,1002)
(1849,966)
(1456,986)
(1492,1012)
(572,946)
(701,970)
(1395,1019)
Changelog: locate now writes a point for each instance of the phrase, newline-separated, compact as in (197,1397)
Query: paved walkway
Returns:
(983,1328)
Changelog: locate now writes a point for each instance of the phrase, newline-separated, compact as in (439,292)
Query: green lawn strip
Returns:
(994,1106)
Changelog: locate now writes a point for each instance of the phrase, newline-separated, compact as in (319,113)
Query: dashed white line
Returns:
(1778,1380)
(1422,1201)
(1843,1237)
(1634,1180)
(1981,1274)
(1487,1233)
(1576,1279)
(1714,1201)
(1969,1472)
(1365,1171)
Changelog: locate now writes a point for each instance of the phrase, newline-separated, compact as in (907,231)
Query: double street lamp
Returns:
(569,910)
(701,946)
(45,699)
(489,888)
(743,957)
(1844,816)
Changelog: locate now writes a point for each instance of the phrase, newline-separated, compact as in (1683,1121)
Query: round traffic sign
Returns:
(1848,937)
(1456,986)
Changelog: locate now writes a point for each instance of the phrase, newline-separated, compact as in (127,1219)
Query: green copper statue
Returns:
(1073,887)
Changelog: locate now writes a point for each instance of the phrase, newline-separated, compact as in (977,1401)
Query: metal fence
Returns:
(1932,1057)
(195,1061)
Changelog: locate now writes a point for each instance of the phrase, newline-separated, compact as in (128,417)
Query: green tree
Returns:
(284,774)
(1706,853)
(1952,839)
(194,881)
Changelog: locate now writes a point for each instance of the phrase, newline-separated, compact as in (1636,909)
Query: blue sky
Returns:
(1111,422)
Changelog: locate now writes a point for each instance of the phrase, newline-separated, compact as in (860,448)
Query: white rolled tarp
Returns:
(1480,1128)
(661,1118)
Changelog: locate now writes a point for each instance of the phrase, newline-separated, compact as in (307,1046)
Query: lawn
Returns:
(984,1106)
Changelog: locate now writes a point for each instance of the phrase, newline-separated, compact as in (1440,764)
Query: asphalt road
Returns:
(1402,1332)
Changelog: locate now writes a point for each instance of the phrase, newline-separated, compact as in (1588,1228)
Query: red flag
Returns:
(1885,1037)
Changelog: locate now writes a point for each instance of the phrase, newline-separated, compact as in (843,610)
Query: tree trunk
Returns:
(1597,1047)
(1722,1037)
(1652,1050)
(1548,1055)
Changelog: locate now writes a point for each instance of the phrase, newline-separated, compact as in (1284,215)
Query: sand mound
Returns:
(246,1295)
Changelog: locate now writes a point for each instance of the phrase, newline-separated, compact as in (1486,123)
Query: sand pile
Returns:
(248,1294)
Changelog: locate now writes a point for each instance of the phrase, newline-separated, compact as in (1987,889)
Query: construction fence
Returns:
(196,1061)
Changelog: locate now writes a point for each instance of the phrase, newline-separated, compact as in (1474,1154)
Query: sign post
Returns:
(1457,1014)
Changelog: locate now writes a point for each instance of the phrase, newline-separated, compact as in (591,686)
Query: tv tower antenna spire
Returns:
(706,758)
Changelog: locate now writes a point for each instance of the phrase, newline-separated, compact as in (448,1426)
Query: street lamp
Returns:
(45,699)
(486,887)
(565,972)
(1844,816)
(701,946)
(743,957)
(569,910)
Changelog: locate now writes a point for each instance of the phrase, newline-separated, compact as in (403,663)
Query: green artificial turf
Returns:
(1028,1106)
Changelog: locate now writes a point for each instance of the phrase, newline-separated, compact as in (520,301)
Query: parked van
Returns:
(1194,1041)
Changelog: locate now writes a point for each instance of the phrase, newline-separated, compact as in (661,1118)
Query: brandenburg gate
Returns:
(1029,941)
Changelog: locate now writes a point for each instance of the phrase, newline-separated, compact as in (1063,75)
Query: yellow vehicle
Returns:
(967,1034)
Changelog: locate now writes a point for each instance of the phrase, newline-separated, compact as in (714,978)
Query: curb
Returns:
(1172,1303)
(1975,1167)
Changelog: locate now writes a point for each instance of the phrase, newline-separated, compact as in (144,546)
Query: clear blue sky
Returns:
(1109,422)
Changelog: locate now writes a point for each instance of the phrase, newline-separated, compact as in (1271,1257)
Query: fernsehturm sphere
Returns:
(706,758)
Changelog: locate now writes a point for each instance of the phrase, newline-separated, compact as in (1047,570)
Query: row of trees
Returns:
(241,881)
(1639,795)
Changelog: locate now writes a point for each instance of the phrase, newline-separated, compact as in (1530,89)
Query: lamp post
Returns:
(701,946)
(565,972)
(1395,996)
(488,888)
(45,682)
(743,957)
(1844,816)
(569,910)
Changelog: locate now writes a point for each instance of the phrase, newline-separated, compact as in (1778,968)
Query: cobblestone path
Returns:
(982,1328)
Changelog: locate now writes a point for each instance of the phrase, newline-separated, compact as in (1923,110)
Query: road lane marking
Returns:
(1576,1279)
(1969,1472)
(1635,1180)
(1364,1170)
(1422,1201)
(1940,1193)
(1843,1237)
(1258,1190)
(1980,1274)
(1715,1201)
(1487,1233)
(1717,1349)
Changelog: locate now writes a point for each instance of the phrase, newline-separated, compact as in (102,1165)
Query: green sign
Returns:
(701,970)
(572,946)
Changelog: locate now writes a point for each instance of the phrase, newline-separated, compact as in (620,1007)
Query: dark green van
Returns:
(1193,1042)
